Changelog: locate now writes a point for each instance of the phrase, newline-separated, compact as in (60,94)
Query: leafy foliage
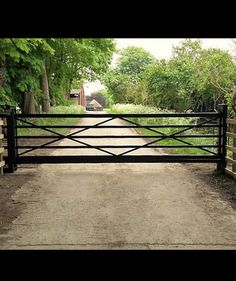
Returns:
(76,60)
(67,61)
(126,78)
(20,65)
(193,78)
(134,61)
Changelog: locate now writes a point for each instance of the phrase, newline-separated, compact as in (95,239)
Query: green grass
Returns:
(135,109)
(73,109)
(171,141)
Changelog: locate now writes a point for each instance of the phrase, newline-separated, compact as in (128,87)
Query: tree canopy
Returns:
(193,78)
(46,68)
(134,61)
(126,78)
(38,72)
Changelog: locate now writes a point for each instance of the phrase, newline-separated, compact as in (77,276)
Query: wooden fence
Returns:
(2,163)
(231,148)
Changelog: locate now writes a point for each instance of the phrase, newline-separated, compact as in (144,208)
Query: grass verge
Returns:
(135,109)
(73,109)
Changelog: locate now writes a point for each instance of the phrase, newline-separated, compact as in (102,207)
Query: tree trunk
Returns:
(29,103)
(45,91)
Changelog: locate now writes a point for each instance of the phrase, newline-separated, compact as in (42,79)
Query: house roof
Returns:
(95,103)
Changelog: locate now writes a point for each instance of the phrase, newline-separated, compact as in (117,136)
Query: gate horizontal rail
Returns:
(128,115)
(119,137)
(116,126)
(118,159)
(115,146)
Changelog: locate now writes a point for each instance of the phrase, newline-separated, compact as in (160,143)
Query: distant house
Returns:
(78,96)
(96,105)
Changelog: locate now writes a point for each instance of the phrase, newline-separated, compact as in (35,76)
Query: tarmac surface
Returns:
(118,206)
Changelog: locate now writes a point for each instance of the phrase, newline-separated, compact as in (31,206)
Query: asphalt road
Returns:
(119,206)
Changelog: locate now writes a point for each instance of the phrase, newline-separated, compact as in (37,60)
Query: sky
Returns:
(162,49)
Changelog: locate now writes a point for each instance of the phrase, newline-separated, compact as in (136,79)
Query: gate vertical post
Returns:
(11,139)
(223,138)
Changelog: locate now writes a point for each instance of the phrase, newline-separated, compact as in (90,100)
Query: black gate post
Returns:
(11,139)
(222,139)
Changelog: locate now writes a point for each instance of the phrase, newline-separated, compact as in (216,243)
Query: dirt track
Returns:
(118,206)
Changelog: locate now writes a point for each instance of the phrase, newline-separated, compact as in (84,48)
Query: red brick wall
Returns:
(82,99)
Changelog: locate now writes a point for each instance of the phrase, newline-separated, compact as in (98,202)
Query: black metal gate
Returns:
(214,122)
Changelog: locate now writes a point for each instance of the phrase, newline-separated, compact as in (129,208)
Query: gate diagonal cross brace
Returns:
(69,136)
(164,136)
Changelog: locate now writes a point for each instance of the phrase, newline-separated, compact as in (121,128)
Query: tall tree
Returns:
(194,78)
(39,70)
(123,81)
(134,61)
(76,60)
(21,61)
